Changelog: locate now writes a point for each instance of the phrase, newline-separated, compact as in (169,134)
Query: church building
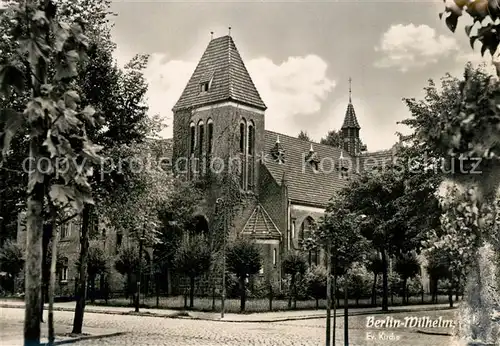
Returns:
(289,181)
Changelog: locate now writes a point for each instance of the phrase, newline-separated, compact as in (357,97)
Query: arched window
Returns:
(192,143)
(242,136)
(251,138)
(64,270)
(210,130)
(306,228)
(201,133)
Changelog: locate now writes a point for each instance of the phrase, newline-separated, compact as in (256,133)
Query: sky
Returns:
(300,55)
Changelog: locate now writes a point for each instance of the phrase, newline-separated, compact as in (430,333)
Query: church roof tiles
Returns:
(222,67)
(305,184)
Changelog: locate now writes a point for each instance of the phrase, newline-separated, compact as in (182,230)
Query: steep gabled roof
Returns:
(350,120)
(260,225)
(221,66)
(376,159)
(305,186)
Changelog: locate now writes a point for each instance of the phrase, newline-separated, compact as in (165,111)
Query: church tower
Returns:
(219,117)
(350,129)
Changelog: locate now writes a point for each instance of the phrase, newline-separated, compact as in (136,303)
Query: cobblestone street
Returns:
(183,332)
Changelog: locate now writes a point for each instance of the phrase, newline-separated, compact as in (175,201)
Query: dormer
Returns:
(206,81)
(278,152)
(343,165)
(313,159)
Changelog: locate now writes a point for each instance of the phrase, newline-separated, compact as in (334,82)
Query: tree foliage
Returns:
(193,259)
(334,139)
(486,33)
(11,259)
(304,136)
(243,259)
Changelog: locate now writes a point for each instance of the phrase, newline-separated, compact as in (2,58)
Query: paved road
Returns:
(180,332)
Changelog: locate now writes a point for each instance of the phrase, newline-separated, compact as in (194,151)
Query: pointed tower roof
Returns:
(222,67)
(350,120)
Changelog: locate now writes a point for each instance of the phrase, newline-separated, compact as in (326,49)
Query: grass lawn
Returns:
(252,304)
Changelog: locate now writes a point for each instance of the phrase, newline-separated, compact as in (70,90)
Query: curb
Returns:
(85,337)
(130,313)
(312,317)
(181,315)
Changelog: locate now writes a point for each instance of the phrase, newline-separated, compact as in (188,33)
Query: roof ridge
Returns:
(325,146)
(270,219)
(246,223)
(230,69)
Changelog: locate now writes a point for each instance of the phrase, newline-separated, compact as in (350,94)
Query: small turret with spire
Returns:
(350,128)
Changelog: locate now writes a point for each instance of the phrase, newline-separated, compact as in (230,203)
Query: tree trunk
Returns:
(385,303)
(346,312)
(47,234)
(243,294)
(450,290)
(33,265)
(294,287)
(82,280)
(92,289)
(334,289)
(374,290)
(328,295)
(405,292)
(157,288)
(191,292)
(52,281)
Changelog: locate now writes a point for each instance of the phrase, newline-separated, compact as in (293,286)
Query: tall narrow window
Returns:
(210,136)
(64,270)
(293,229)
(192,139)
(119,238)
(275,257)
(242,137)
(200,137)
(251,139)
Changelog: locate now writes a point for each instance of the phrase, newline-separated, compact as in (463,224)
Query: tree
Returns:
(407,266)
(193,259)
(374,266)
(55,123)
(11,262)
(478,11)
(127,264)
(97,264)
(176,217)
(295,265)
(437,269)
(339,233)
(334,139)
(358,283)
(304,136)
(243,259)
(316,283)
(465,135)
(374,194)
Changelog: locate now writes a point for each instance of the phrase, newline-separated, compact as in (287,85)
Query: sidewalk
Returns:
(9,334)
(274,316)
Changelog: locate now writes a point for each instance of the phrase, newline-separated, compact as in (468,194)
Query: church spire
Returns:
(350,81)
(350,127)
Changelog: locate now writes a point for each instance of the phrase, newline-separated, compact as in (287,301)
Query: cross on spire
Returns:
(350,81)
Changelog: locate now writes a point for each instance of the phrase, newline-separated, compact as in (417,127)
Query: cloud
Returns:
(297,86)
(410,46)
